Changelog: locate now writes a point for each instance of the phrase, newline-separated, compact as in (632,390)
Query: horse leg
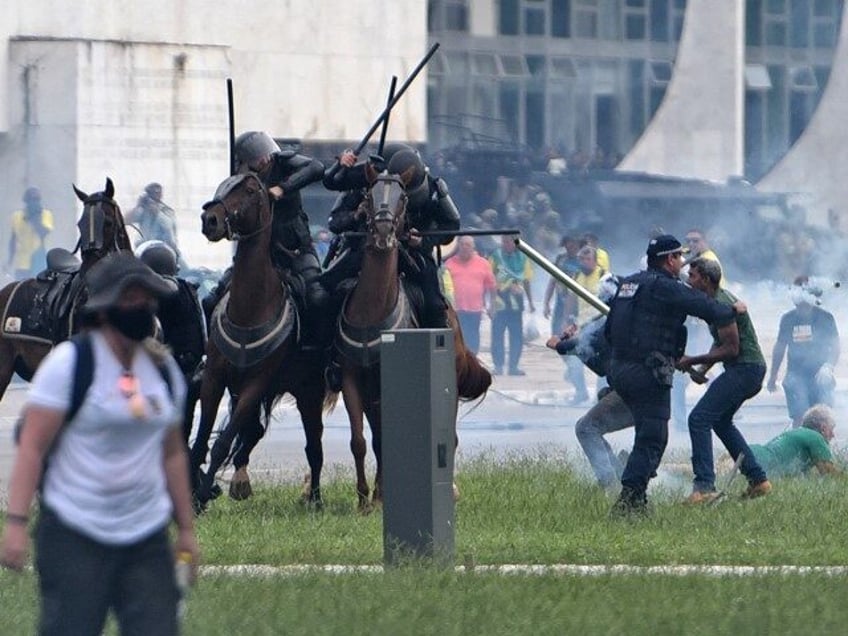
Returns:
(355,410)
(211,392)
(247,411)
(245,442)
(372,412)
(311,416)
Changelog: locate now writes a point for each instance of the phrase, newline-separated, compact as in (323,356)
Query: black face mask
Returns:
(136,323)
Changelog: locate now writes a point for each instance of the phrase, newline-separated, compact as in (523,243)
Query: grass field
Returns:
(524,510)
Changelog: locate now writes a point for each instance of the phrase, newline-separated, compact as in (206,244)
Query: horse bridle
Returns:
(382,214)
(94,205)
(232,217)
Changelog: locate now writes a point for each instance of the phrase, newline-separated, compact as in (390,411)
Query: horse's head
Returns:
(239,210)
(385,208)
(101,226)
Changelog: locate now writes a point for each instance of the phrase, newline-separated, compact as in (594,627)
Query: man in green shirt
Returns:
(744,370)
(799,450)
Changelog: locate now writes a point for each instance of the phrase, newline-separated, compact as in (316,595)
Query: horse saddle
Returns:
(42,308)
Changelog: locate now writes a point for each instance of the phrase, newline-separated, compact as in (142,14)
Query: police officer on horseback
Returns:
(285,173)
(429,207)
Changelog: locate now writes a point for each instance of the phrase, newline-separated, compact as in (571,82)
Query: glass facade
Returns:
(586,76)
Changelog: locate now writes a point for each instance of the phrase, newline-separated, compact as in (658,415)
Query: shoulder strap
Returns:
(83,374)
(166,376)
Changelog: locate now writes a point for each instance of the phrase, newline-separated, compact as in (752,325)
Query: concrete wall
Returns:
(698,130)
(816,164)
(136,91)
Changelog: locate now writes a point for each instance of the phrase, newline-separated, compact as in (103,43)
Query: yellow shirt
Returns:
(27,241)
(602,258)
(589,282)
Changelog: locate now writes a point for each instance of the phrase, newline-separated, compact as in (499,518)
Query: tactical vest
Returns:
(639,324)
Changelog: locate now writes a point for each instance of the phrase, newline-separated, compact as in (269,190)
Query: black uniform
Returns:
(431,209)
(292,249)
(647,336)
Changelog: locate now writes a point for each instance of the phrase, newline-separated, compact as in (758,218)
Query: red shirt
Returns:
(471,279)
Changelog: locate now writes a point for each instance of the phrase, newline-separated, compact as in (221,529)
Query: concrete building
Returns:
(712,89)
(136,91)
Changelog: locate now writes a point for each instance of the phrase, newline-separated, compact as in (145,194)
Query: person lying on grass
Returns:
(797,451)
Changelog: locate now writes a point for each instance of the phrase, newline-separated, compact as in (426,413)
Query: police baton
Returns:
(561,277)
(388,109)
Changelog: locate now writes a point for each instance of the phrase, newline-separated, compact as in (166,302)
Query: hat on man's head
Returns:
(110,276)
(663,245)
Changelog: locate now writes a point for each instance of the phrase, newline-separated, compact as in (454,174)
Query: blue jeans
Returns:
(507,320)
(610,414)
(649,403)
(803,391)
(81,579)
(469,322)
(714,412)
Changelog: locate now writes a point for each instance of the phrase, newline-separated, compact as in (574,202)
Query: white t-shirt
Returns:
(106,475)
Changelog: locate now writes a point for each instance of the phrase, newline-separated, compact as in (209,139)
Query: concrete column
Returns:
(816,162)
(698,130)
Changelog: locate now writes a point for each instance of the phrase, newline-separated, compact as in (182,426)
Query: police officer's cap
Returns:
(663,245)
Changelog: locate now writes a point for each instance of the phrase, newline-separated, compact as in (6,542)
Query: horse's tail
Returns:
(472,378)
(331,398)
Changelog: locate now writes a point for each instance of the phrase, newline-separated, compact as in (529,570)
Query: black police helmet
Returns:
(404,160)
(158,256)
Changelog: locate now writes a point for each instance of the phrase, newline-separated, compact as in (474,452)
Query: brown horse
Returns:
(253,348)
(40,312)
(379,302)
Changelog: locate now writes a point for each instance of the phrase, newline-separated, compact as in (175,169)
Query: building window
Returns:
(586,19)
(534,14)
(635,16)
(508,17)
(757,77)
(561,18)
(448,15)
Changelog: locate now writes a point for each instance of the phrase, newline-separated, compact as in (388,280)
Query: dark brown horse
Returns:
(40,312)
(253,348)
(378,302)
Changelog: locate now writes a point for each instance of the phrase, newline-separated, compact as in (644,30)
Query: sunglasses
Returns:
(128,386)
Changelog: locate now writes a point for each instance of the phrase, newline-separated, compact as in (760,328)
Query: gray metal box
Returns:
(418,377)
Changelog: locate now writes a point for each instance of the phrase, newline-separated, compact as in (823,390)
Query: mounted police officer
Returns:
(647,337)
(429,207)
(285,173)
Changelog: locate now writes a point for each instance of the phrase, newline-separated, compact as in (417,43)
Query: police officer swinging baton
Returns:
(578,289)
(388,109)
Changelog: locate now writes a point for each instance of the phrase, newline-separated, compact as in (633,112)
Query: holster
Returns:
(661,366)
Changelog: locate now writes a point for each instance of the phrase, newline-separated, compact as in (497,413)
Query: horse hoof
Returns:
(215,491)
(240,488)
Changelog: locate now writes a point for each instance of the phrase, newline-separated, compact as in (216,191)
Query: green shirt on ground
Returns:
(792,453)
(749,346)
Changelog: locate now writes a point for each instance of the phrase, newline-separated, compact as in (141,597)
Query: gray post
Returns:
(418,389)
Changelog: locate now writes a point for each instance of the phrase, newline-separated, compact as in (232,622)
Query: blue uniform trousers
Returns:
(649,403)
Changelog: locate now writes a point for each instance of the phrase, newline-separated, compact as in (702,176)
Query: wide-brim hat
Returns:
(665,244)
(110,276)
